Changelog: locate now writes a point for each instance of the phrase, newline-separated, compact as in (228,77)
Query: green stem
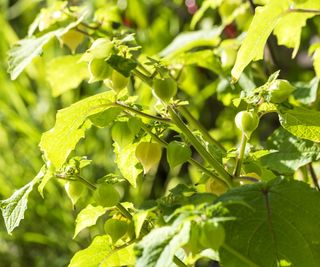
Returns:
(197,125)
(241,155)
(143,77)
(313,176)
(179,262)
(86,183)
(302,10)
(225,177)
(142,114)
(247,261)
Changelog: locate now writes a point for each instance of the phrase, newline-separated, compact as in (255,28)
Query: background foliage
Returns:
(223,57)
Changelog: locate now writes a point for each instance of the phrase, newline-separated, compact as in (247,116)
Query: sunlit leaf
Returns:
(14,207)
(70,127)
(301,122)
(100,253)
(88,217)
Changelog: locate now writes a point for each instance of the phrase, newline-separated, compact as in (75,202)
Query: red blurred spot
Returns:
(127,22)
(231,31)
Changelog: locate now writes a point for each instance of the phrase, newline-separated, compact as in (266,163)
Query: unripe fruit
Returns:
(148,154)
(100,48)
(247,122)
(279,91)
(116,228)
(212,235)
(74,190)
(119,81)
(193,244)
(106,195)
(164,88)
(215,187)
(98,70)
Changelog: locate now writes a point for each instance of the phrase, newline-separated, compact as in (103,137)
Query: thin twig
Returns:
(313,176)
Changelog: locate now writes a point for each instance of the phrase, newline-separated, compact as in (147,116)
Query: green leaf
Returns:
(201,11)
(279,224)
(188,40)
(65,73)
(127,162)
(290,152)
(177,153)
(23,52)
(306,93)
(70,127)
(253,45)
(14,207)
(103,119)
(88,217)
(288,30)
(204,58)
(158,248)
(100,253)
(301,122)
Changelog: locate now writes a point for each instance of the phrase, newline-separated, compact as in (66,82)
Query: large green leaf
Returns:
(23,52)
(301,122)
(278,226)
(100,253)
(188,40)
(264,21)
(158,248)
(88,217)
(70,127)
(290,152)
(65,73)
(14,207)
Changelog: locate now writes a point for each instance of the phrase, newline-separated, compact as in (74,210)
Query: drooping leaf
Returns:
(188,40)
(158,248)
(301,122)
(279,224)
(100,253)
(88,217)
(127,162)
(14,207)
(65,73)
(263,23)
(290,152)
(70,127)
(103,119)
(177,153)
(23,52)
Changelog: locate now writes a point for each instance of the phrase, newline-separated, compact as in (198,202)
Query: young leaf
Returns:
(301,122)
(70,127)
(158,248)
(22,53)
(88,217)
(65,73)
(177,153)
(258,33)
(279,223)
(13,208)
(100,253)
